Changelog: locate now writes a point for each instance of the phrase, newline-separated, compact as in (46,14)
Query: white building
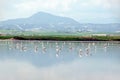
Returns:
(99,34)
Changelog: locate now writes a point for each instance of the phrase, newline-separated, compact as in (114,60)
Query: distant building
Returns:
(99,35)
(117,31)
(2,34)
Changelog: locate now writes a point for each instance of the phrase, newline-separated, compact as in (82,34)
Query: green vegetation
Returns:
(6,37)
(66,36)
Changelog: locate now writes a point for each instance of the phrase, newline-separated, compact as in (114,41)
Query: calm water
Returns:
(46,60)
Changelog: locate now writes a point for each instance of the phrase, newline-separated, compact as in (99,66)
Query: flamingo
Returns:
(24,48)
(36,49)
(80,52)
(87,51)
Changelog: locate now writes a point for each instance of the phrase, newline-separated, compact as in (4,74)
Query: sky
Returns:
(84,11)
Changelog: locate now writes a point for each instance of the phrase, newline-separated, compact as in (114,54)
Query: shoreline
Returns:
(51,41)
(62,38)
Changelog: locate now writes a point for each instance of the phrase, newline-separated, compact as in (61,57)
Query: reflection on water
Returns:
(59,60)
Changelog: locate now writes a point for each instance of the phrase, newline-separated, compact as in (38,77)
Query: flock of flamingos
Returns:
(82,49)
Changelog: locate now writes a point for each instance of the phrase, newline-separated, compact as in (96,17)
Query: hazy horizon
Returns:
(83,11)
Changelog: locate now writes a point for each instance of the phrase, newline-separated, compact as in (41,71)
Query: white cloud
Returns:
(107,4)
(25,8)
(62,5)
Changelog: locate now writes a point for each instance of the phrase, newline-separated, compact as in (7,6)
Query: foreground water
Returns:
(54,60)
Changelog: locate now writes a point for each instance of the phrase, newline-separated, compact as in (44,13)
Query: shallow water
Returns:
(59,60)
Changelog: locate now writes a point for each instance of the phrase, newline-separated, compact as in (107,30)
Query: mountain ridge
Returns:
(41,20)
(46,21)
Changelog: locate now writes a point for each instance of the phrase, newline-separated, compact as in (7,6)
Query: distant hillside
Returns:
(102,27)
(42,21)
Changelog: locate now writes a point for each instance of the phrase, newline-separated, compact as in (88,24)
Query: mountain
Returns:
(109,27)
(41,21)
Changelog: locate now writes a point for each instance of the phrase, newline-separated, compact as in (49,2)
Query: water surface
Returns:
(59,60)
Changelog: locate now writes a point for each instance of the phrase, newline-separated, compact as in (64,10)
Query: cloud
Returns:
(76,70)
(101,3)
(62,5)
(25,8)
(70,8)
